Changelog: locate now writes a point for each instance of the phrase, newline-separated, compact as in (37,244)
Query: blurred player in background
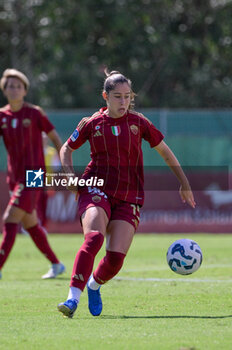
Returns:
(52,165)
(21,126)
(115,135)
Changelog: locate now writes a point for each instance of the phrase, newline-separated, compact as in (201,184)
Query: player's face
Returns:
(15,90)
(118,100)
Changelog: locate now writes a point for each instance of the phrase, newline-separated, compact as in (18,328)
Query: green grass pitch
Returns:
(146,307)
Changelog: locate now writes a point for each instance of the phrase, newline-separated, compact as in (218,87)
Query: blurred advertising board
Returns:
(163,210)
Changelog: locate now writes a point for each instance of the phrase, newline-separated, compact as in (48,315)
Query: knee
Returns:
(114,260)
(12,215)
(9,219)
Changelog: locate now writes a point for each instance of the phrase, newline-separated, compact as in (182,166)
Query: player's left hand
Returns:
(187,196)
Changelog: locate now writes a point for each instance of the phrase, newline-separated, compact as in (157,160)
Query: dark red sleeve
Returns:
(151,133)
(44,122)
(79,135)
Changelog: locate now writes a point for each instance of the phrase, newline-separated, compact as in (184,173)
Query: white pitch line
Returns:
(163,268)
(151,279)
(217,266)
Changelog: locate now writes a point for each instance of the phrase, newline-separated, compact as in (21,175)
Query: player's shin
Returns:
(84,260)
(108,267)
(9,233)
(40,239)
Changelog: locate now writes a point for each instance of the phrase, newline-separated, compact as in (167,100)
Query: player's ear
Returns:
(104,95)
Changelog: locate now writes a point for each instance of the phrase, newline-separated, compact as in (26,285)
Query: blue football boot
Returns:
(95,302)
(68,307)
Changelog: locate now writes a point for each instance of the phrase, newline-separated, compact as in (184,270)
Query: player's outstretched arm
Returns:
(56,140)
(171,160)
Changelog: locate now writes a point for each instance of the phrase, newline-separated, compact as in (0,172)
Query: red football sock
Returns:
(40,239)
(84,260)
(9,233)
(108,267)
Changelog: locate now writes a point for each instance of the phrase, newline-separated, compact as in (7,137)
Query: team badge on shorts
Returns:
(96,199)
(34,178)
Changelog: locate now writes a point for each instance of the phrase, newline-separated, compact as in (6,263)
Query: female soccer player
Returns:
(115,134)
(21,126)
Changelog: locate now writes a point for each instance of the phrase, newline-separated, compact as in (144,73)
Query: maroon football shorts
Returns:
(115,209)
(23,198)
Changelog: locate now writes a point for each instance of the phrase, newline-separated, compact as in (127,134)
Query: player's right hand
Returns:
(187,196)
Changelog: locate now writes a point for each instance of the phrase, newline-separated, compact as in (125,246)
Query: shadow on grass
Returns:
(163,317)
(57,279)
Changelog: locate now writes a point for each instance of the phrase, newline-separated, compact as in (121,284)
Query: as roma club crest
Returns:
(96,199)
(26,122)
(134,129)
(116,130)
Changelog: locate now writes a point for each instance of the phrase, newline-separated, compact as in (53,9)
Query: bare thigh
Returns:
(16,215)
(94,219)
(13,214)
(30,220)
(119,237)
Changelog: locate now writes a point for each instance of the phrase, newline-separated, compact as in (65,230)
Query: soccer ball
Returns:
(184,256)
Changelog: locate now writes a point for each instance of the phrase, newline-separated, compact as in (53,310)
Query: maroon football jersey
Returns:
(21,132)
(116,153)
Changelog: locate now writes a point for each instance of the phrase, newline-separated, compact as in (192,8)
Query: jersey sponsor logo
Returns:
(116,130)
(134,129)
(97,133)
(14,123)
(74,135)
(34,178)
(26,122)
